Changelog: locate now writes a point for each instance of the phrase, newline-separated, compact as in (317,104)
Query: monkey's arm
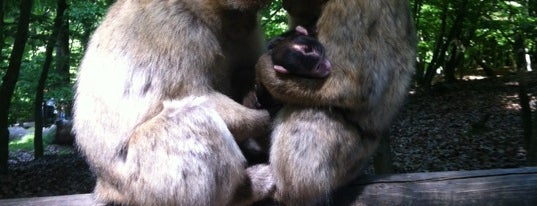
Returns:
(339,89)
(243,122)
(367,56)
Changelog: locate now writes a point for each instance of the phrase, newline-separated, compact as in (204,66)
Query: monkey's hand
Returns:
(262,180)
(260,185)
(250,100)
(266,101)
(243,122)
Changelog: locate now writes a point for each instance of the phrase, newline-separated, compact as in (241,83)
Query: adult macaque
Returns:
(296,53)
(152,112)
(331,126)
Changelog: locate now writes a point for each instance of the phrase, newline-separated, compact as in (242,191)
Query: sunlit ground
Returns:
(22,149)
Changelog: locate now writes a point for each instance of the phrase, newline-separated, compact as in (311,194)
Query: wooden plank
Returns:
(512,187)
(480,187)
(66,200)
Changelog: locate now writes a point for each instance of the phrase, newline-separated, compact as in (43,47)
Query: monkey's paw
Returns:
(262,180)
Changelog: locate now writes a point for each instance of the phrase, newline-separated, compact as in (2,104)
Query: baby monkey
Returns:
(295,52)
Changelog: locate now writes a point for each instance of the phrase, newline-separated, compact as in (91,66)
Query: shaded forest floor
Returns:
(464,126)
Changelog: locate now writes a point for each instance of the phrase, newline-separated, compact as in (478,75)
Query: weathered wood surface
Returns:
(512,187)
(66,200)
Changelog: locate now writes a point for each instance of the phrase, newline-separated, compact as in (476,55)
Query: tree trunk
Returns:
(420,64)
(416,12)
(383,158)
(428,75)
(62,50)
(451,65)
(532,153)
(486,68)
(10,79)
(532,8)
(2,32)
(520,59)
(88,30)
(38,106)
(455,31)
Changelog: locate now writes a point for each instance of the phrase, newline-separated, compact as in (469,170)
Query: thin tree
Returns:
(62,49)
(2,33)
(424,75)
(38,104)
(10,79)
(532,153)
(383,161)
(519,52)
(442,45)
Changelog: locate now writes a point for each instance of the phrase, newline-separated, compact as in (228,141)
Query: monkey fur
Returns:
(329,127)
(155,112)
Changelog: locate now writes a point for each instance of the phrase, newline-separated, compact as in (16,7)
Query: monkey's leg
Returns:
(315,151)
(185,155)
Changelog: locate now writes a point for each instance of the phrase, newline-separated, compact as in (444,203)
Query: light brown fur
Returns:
(153,113)
(332,126)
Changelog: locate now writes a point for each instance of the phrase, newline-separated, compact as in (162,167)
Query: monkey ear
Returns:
(301,30)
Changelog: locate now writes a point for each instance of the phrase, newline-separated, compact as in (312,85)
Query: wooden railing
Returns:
(511,187)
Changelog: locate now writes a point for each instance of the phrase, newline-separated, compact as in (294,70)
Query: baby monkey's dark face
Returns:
(294,52)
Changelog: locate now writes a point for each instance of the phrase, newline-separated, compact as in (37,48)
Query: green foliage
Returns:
(274,19)
(83,19)
(488,31)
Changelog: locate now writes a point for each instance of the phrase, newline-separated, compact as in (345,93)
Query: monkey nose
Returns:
(323,69)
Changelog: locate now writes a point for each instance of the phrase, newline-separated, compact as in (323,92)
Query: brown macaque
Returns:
(296,53)
(329,127)
(156,114)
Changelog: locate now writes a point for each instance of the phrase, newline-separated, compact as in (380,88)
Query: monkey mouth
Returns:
(281,69)
(321,70)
